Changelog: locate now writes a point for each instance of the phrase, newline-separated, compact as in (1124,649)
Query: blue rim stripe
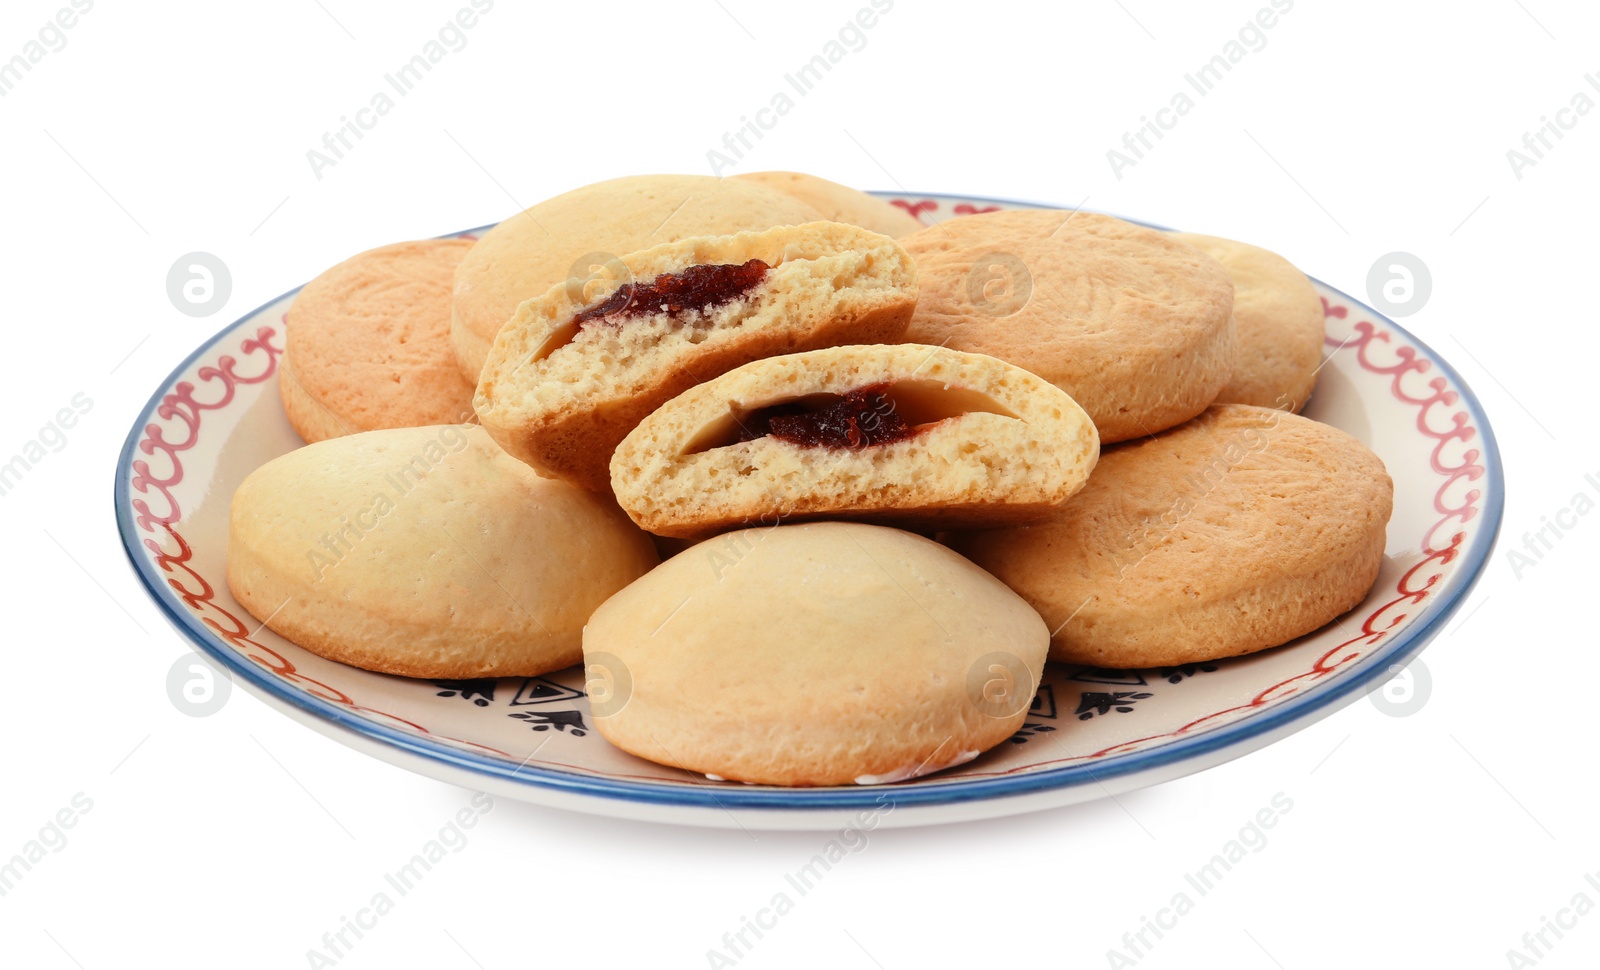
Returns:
(1324,698)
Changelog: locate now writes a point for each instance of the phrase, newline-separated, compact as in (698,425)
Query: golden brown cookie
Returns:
(1238,531)
(574,233)
(1278,325)
(367,344)
(1134,325)
(426,552)
(575,370)
(903,434)
(830,653)
(839,203)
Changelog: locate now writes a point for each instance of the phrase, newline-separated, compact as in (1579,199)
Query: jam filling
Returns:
(873,414)
(696,288)
(860,418)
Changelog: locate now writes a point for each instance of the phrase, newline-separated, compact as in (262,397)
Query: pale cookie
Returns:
(830,653)
(839,203)
(1278,325)
(427,552)
(1238,531)
(367,344)
(577,368)
(923,437)
(1136,326)
(572,234)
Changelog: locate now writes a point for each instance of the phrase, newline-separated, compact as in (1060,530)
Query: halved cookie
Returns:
(535,249)
(1238,531)
(906,434)
(577,368)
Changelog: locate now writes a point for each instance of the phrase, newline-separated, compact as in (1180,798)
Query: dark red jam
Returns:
(861,418)
(696,288)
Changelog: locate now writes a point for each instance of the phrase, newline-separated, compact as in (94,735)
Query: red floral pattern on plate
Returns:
(184,411)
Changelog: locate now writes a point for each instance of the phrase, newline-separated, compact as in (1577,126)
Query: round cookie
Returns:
(829,653)
(1238,531)
(1278,325)
(367,344)
(527,254)
(426,552)
(839,203)
(1135,325)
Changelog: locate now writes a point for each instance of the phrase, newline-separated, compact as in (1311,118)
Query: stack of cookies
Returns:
(871,453)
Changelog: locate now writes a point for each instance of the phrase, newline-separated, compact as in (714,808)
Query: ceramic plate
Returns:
(1089,732)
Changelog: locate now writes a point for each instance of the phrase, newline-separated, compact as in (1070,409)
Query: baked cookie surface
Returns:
(577,368)
(1135,326)
(426,552)
(367,344)
(1238,531)
(534,250)
(1278,325)
(905,434)
(828,653)
(839,203)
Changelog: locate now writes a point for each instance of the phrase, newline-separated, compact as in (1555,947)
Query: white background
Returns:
(1361,128)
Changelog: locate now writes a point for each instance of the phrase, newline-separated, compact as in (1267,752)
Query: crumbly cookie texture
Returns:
(1235,532)
(426,552)
(993,445)
(839,203)
(534,250)
(368,344)
(1136,326)
(1278,325)
(826,653)
(561,395)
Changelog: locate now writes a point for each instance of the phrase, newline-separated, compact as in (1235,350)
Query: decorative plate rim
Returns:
(1321,698)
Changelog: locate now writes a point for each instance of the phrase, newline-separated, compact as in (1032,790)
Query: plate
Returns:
(1089,733)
